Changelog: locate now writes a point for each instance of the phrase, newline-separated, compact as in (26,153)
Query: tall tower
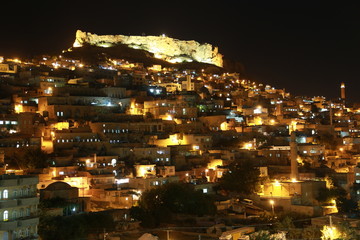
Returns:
(279,108)
(293,157)
(342,89)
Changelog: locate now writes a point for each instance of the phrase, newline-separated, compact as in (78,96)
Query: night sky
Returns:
(306,47)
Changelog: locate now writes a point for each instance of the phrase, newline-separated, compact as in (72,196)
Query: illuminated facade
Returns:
(166,48)
(295,196)
(177,108)
(18,207)
(342,89)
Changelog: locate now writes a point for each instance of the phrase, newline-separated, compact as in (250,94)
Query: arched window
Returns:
(14,215)
(113,162)
(6,194)
(6,215)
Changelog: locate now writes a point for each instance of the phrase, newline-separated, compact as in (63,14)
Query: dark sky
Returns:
(307,47)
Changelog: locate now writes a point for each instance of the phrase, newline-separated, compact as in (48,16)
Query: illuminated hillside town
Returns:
(150,137)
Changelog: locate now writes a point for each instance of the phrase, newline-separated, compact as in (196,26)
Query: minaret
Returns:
(279,108)
(342,89)
(293,157)
(331,114)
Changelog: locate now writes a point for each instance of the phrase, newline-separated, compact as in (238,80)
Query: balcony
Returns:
(9,225)
(8,203)
(10,181)
(28,201)
(26,222)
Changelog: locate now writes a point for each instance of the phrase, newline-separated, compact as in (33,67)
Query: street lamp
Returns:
(272,202)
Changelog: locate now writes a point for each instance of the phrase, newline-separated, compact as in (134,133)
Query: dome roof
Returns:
(58,186)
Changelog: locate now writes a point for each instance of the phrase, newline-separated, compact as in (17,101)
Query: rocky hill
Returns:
(165,48)
(90,53)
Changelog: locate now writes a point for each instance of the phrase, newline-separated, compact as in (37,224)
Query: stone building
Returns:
(18,207)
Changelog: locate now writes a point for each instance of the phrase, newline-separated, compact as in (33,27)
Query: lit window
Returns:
(257,110)
(113,162)
(205,190)
(6,215)
(6,194)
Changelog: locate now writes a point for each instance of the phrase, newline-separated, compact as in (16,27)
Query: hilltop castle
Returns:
(166,48)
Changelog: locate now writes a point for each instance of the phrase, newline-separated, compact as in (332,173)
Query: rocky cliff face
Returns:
(166,48)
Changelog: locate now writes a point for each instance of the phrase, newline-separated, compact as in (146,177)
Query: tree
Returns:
(288,226)
(262,235)
(347,232)
(178,198)
(74,227)
(346,205)
(32,158)
(341,231)
(327,139)
(327,194)
(337,193)
(158,205)
(146,218)
(310,233)
(242,177)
